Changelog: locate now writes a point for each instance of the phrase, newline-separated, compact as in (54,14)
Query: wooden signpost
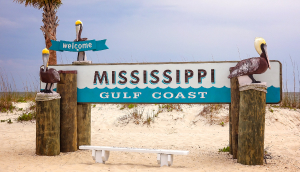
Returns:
(83,83)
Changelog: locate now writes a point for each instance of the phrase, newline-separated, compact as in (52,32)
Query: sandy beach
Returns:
(201,135)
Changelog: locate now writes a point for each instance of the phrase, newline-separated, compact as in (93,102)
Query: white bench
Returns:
(164,157)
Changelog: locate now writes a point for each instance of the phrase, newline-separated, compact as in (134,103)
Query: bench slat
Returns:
(163,151)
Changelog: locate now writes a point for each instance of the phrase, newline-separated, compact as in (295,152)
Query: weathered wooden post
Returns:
(234,114)
(230,131)
(83,117)
(47,124)
(252,124)
(83,124)
(67,87)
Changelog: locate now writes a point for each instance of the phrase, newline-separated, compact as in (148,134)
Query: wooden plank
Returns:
(251,127)
(67,87)
(235,100)
(175,152)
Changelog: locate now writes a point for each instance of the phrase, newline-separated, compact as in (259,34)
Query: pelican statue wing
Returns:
(245,67)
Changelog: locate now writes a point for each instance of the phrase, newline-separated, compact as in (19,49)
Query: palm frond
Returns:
(39,3)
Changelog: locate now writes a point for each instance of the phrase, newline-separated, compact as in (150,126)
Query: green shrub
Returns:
(130,106)
(222,124)
(9,121)
(27,116)
(225,149)
(21,100)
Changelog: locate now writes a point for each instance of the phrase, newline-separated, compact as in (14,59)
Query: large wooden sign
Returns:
(189,82)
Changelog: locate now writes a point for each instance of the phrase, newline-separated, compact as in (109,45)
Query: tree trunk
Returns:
(251,127)
(50,21)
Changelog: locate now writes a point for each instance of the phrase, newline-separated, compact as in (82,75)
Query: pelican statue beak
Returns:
(264,49)
(45,57)
(77,31)
(45,61)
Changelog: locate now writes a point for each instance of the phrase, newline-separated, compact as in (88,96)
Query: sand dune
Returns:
(201,135)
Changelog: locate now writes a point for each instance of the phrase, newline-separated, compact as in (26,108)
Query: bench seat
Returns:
(164,157)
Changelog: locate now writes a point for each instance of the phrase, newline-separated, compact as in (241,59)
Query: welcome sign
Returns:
(189,82)
(78,46)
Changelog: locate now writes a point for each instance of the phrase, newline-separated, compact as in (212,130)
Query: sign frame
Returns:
(159,63)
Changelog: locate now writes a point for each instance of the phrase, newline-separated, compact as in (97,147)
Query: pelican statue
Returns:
(255,65)
(48,76)
(79,26)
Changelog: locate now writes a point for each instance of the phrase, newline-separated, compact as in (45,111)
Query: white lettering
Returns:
(65,45)
(153,95)
(106,95)
(125,96)
(72,45)
(192,95)
(76,47)
(79,46)
(90,45)
(171,95)
(84,45)
(69,46)
(202,94)
(113,95)
(136,94)
(180,95)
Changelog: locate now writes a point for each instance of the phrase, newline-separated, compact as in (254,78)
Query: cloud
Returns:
(5,22)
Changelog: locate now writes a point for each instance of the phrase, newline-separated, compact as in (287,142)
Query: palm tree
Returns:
(50,21)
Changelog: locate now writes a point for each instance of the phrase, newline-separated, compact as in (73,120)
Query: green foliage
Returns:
(225,149)
(9,121)
(271,110)
(27,116)
(222,124)
(148,120)
(94,106)
(3,120)
(39,3)
(10,108)
(129,106)
(32,106)
(21,99)
(169,107)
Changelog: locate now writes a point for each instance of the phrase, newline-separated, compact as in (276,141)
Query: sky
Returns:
(153,31)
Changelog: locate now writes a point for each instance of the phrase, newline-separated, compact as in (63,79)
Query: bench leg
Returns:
(93,154)
(101,156)
(164,159)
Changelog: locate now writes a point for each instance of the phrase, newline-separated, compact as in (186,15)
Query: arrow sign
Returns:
(78,46)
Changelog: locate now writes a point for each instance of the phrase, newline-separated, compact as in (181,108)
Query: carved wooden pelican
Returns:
(48,76)
(79,26)
(254,65)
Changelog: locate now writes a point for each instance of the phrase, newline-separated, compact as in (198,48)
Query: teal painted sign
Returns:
(189,82)
(78,46)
